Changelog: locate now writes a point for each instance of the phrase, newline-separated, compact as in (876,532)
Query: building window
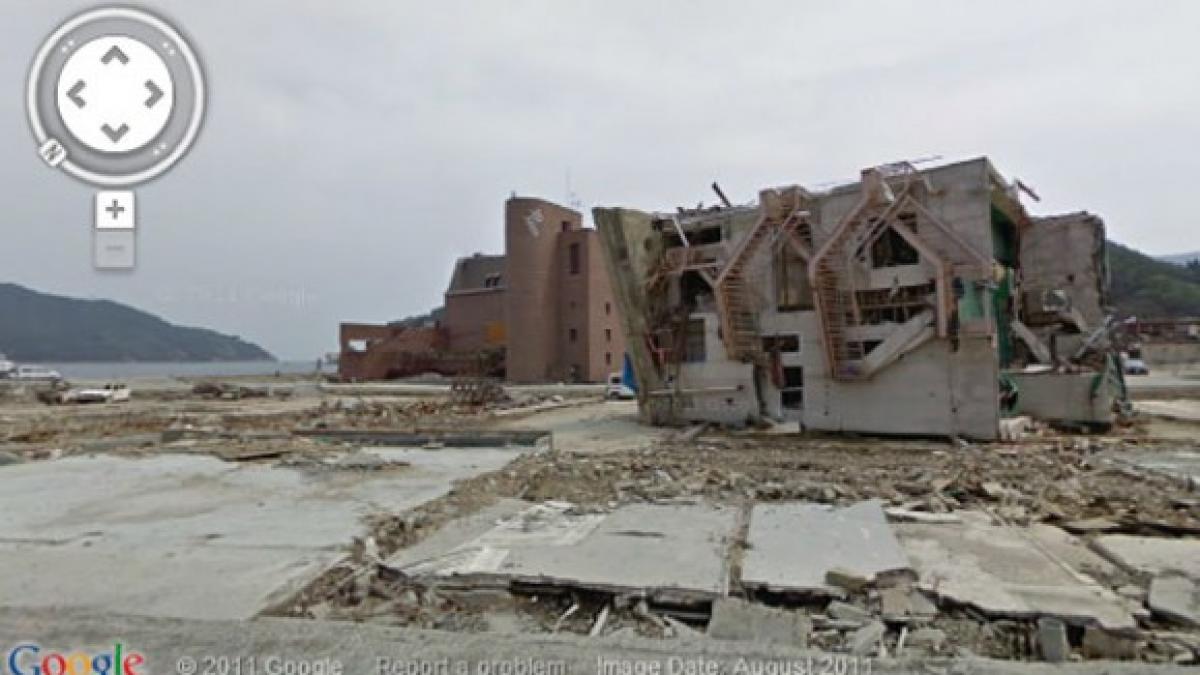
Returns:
(607,358)
(491,281)
(792,290)
(573,262)
(607,308)
(693,346)
(572,335)
(566,225)
(792,393)
(608,335)
(891,250)
(785,344)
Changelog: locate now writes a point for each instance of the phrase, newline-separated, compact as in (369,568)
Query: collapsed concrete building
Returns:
(910,302)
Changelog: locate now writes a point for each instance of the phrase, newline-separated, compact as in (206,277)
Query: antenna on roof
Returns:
(572,199)
(1026,189)
(724,200)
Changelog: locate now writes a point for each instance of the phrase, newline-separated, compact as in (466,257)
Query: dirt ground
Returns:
(601,457)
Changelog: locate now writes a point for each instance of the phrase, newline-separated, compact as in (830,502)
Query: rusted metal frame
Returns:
(941,277)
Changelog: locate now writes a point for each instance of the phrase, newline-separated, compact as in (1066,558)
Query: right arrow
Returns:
(155,93)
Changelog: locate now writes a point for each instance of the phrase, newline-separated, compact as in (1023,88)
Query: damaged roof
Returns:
(477,272)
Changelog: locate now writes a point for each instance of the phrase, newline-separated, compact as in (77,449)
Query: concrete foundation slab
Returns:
(1182,464)
(1177,598)
(1007,572)
(1152,555)
(191,536)
(665,551)
(792,546)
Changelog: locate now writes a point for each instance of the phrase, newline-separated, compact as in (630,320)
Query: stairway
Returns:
(739,324)
(835,305)
(739,320)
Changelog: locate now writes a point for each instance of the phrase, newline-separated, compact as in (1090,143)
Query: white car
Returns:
(36,374)
(617,389)
(1136,367)
(109,393)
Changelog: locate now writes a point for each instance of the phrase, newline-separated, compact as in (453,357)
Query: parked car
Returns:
(617,389)
(109,393)
(36,374)
(6,367)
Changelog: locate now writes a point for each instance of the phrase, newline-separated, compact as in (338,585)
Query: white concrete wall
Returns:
(718,372)
(932,390)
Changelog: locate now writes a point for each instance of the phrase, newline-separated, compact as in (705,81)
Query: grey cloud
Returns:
(353,149)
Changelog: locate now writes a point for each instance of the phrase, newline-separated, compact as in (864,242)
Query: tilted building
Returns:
(910,302)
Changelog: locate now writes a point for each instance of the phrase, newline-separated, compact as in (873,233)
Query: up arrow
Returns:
(114,52)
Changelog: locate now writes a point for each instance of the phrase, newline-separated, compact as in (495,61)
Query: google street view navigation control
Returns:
(115,99)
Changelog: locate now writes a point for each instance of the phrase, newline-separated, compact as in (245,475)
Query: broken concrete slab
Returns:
(1007,572)
(844,611)
(736,619)
(1102,644)
(1151,555)
(897,514)
(865,640)
(900,604)
(665,551)
(927,638)
(794,545)
(1091,526)
(849,579)
(1052,640)
(192,536)
(1176,598)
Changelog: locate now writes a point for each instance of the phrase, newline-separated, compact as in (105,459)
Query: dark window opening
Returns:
(566,225)
(891,250)
(607,308)
(691,287)
(792,290)
(608,335)
(572,335)
(573,262)
(792,393)
(693,346)
(607,359)
(782,343)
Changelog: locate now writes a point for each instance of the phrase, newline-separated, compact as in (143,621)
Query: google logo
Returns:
(29,659)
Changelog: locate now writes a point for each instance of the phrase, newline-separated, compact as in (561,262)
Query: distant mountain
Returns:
(1180,258)
(1148,288)
(39,327)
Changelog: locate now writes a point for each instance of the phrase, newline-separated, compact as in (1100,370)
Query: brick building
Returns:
(546,305)
(547,301)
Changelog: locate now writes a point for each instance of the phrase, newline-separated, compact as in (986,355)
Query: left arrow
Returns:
(73,94)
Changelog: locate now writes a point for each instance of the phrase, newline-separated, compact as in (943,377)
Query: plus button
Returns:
(115,209)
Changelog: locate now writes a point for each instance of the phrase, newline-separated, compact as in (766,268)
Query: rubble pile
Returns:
(1069,482)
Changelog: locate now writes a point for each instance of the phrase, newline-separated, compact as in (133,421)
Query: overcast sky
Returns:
(353,149)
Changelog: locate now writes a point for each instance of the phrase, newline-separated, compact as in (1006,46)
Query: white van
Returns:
(617,389)
(36,374)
